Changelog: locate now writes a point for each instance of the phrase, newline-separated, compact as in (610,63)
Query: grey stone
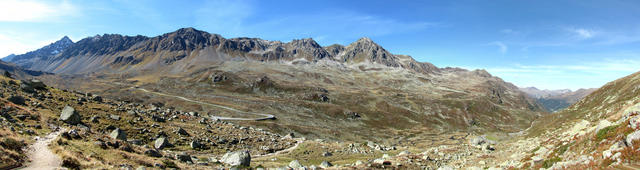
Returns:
(184,158)
(195,144)
(114,117)
(19,100)
(237,158)
(118,134)
(70,116)
(182,132)
(161,143)
(295,164)
(325,164)
(327,154)
(153,153)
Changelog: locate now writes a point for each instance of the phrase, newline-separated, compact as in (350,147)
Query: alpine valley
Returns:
(189,99)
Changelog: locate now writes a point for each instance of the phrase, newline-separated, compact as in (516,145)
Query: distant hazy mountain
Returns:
(554,100)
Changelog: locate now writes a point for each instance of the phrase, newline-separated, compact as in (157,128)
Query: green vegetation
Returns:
(606,132)
(549,162)
(562,149)
(535,150)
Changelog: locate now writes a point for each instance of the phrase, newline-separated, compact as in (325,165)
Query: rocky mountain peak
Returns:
(64,40)
(305,43)
(365,50)
(307,48)
(334,49)
(50,50)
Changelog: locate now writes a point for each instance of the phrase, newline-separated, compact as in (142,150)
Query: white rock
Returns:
(631,137)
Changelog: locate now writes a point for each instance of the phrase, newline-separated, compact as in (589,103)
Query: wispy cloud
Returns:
(582,33)
(503,48)
(34,11)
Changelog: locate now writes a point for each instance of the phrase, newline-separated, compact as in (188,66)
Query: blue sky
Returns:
(548,44)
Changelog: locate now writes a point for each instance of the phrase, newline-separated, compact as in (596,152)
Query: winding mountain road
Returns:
(263,115)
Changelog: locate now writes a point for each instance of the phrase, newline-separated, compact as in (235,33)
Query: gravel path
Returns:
(41,156)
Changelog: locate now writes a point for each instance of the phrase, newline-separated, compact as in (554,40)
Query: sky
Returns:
(549,44)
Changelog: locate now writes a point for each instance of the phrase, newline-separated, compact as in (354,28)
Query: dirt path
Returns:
(41,156)
(298,142)
(263,116)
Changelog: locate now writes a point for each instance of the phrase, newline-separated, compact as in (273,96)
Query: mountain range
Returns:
(300,82)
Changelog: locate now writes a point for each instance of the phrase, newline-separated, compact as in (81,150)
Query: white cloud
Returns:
(33,11)
(583,33)
(501,46)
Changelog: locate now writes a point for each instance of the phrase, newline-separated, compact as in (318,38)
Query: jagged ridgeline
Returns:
(353,92)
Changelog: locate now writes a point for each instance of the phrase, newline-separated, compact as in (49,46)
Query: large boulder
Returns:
(118,134)
(325,164)
(70,116)
(161,143)
(295,164)
(19,100)
(237,158)
(195,144)
(37,84)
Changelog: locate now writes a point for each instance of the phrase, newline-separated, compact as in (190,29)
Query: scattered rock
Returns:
(114,117)
(378,161)
(295,164)
(157,118)
(152,153)
(632,137)
(161,143)
(183,132)
(325,164)
(118,134)
(184,158)
(237,158)
(327,154)
(100,144)
(19,100)
(195,144)
(70,116)
(37,84)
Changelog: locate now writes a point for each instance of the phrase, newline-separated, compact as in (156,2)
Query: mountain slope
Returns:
(358,91)
(599,132)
